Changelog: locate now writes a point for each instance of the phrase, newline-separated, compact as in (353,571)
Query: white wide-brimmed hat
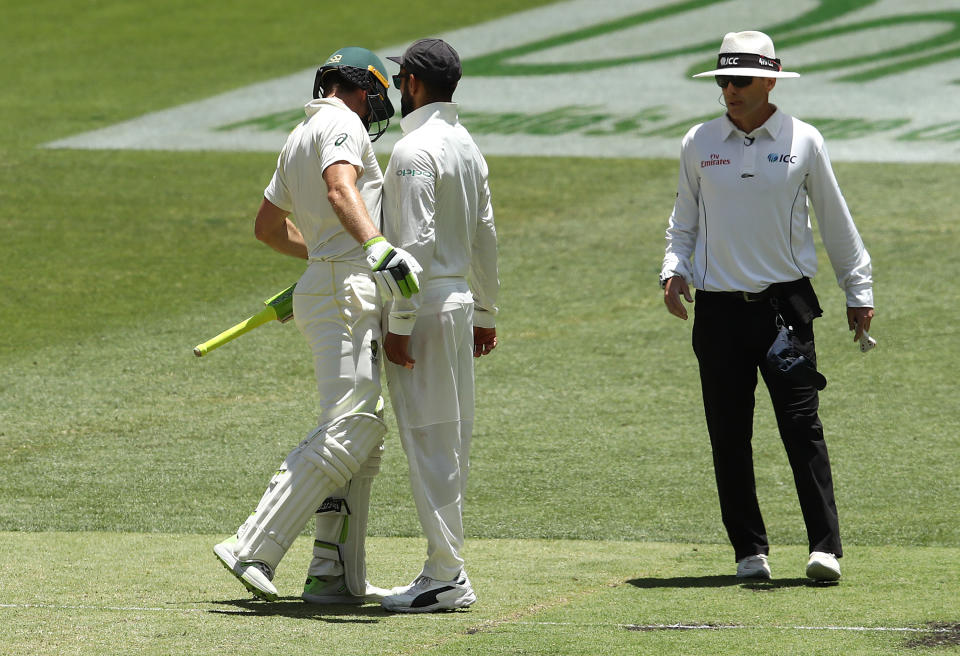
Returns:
(748,54)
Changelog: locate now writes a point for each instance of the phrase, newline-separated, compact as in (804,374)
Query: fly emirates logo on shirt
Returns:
(715,160)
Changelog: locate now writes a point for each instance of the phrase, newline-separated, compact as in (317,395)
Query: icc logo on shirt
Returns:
(788,158)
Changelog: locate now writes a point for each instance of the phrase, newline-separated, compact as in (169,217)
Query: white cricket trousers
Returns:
(337,308)
(434,405)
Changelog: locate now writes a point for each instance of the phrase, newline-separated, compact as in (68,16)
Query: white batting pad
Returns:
(323,462)
(340,544)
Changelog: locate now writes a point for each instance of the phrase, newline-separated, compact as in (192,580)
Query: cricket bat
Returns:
(278,307)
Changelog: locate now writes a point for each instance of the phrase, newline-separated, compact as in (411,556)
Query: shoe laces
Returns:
(421,582)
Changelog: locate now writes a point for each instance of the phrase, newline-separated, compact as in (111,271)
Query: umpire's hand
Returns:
(671,296)
(858,320)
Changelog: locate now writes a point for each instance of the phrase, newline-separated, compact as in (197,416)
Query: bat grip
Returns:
(265,315)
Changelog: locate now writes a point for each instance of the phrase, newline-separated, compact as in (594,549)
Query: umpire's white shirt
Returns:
(331,133)
(740,221)
(436,165)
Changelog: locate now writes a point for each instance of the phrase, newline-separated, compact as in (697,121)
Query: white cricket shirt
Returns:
(331,133)
(740,221)
(436,206)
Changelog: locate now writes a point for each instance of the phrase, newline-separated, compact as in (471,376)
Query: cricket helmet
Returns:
(364,69)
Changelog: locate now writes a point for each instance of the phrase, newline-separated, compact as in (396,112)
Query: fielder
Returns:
(437,205)
(328,179)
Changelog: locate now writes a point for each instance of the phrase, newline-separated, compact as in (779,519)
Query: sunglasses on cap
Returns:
(739,81)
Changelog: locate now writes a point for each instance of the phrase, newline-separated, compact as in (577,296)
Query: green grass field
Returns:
(592,515)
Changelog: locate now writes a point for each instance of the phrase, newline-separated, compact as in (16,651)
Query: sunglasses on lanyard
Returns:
(738,81)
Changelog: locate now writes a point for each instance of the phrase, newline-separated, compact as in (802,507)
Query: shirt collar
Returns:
(771,126)
(314,105)
(444,111)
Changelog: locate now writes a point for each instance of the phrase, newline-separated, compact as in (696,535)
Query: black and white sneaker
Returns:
(427,595)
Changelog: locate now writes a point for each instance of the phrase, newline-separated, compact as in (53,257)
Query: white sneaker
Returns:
(753,567)
(333,590)
(427,595)
(255,575)
(823,566)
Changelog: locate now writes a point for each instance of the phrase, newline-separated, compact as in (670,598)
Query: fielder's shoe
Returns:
(427,595)
(753,567)
(823,566)
(255,575)
(333,590)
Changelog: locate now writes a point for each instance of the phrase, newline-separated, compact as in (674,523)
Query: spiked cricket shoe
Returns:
(255,575)
(823,566)
(427,595)
(333,590)
(753,567)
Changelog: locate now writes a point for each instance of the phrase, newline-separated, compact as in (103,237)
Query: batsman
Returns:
(323,205)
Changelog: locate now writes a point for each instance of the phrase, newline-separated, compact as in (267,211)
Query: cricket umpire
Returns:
(329,183)
(740,234)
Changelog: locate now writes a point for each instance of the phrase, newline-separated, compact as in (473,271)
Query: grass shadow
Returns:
(685,582)
(295,608)
(775,584)
(722,581)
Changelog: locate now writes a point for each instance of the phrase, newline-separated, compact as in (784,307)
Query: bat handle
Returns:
(263,316)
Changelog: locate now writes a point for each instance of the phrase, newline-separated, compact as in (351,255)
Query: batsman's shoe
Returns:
(753,567)
(333,590)
(255,576)
(823,566)
(427,595)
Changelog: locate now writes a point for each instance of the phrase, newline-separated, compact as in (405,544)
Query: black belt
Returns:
(746,297)
(776,290)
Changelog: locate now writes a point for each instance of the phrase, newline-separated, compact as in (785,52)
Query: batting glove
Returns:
(394,269)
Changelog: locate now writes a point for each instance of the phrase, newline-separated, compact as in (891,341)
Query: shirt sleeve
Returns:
(342,141)
(685,218)
(484,278)
(277,191)
(416,202)
(850,260)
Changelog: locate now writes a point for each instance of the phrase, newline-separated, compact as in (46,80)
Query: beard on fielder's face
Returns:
(406,102)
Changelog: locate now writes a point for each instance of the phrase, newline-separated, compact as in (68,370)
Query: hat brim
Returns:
(397,60)
(748,72)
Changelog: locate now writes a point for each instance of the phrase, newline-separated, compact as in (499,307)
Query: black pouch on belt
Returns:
(798,300)
(786,356)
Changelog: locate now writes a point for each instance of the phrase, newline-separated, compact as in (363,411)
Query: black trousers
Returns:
(730,338)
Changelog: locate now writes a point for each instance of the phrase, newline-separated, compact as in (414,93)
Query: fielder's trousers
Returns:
(730,338)
(434,406)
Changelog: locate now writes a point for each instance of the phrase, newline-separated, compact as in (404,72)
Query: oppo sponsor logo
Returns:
(413,173)
(787,158)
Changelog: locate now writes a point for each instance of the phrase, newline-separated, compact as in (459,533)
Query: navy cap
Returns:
(433,60)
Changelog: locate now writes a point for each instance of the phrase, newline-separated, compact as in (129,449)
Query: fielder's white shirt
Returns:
(740,221)
(331,133)
(436,206)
